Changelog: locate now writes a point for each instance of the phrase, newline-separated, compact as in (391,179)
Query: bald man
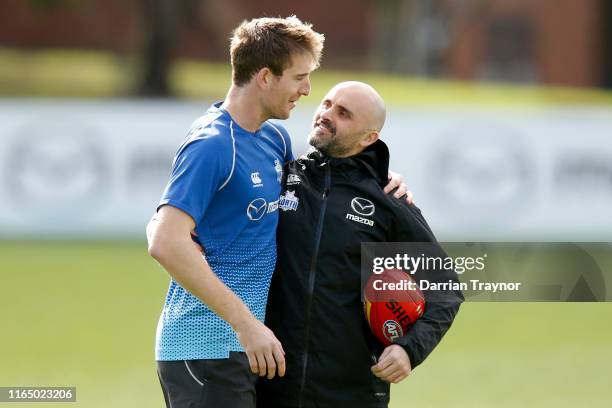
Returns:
(332,200)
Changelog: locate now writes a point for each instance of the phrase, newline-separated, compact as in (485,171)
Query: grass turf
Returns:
(84,314)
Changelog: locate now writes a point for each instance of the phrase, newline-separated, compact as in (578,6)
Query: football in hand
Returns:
(392,304)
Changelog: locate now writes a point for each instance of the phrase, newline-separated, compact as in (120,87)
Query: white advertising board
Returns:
(74,168)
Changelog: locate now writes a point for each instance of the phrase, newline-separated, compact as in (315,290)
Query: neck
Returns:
(342,154)
(244,108)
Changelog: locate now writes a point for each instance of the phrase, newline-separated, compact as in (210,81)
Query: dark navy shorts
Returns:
(215,383)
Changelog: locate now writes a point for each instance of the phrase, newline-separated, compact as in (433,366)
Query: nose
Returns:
(305,88)
(325,113)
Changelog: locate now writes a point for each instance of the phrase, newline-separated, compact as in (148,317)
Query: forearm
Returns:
(186,265)
(428,331)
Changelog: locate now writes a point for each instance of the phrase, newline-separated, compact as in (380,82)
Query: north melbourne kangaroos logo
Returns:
(288,201)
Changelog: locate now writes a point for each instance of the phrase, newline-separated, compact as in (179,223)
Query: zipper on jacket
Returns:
(311,279)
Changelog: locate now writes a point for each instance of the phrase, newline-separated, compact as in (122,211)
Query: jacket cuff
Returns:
(413,355)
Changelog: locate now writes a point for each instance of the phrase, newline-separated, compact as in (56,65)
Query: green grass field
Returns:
(84,314)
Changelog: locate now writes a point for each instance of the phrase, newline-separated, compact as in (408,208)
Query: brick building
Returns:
(563,42)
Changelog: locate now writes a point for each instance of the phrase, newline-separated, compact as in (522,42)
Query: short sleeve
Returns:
(199,170)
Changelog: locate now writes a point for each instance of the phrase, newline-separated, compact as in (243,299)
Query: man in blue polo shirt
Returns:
(224,190)
(226,179)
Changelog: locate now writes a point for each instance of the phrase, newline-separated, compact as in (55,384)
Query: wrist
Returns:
(242,321)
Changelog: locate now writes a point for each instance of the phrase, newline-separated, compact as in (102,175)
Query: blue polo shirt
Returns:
(228,180)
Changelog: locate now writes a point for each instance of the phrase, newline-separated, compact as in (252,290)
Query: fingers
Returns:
(269,357)
(396,378)
(393,184)
(253,362)
(261,364)
(394,373)
(384,354)
(394,181)
(393,365)
(409,197)
(274,360)
(399,375)
(280,346)
(401,191)
(264,351)
(279,356)
(384,360)
(388,372)
(382,365)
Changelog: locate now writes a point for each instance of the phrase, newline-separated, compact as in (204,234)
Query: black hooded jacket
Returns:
(314,305)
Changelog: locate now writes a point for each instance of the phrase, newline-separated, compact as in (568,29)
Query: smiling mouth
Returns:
(321,126)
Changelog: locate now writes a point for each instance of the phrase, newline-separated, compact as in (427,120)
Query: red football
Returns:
(392,304)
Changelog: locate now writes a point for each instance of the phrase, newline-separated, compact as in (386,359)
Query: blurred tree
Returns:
(160,18)
(607,45)
(163,18)
(164,23)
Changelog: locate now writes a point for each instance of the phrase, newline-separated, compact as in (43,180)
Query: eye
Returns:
(326,104)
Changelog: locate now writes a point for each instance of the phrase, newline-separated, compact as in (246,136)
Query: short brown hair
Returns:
(271,42)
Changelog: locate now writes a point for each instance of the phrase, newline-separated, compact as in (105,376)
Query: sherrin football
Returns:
(392,304)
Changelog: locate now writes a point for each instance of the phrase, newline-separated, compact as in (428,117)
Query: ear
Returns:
(263,77)
(369,139)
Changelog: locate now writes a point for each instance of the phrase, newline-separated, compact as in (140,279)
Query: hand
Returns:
(393,365)
(396,182)
(264,351)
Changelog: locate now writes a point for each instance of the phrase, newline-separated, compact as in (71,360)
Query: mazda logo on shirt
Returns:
(257,209)
(362,206)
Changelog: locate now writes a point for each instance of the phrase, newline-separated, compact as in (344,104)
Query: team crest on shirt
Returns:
(288,201)
(279,170)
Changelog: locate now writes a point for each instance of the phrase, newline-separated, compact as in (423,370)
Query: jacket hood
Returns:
(374,159)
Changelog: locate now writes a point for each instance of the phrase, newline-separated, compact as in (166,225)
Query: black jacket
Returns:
(314,305)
